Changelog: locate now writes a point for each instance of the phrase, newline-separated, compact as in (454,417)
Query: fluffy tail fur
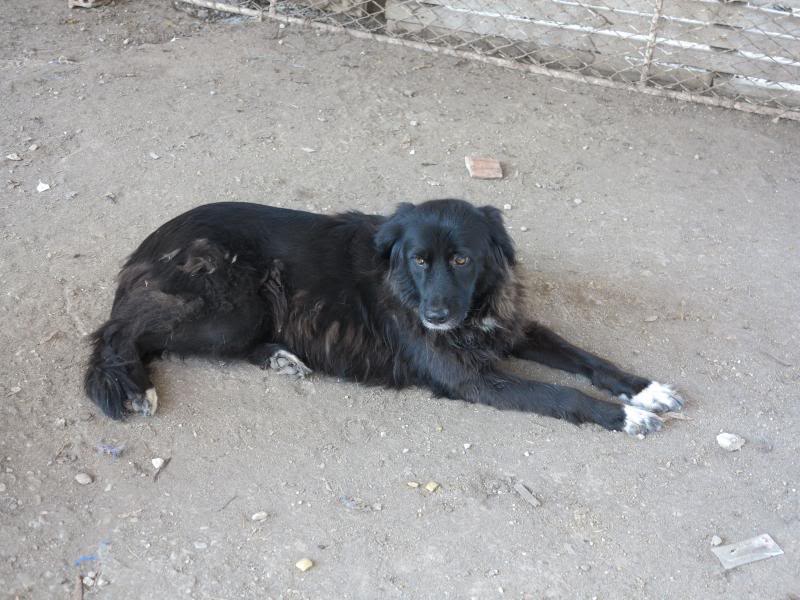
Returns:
(116,374)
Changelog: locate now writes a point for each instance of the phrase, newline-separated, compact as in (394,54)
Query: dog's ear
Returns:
(391,231)
(502,245)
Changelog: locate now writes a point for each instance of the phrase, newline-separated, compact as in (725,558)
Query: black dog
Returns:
(427,297)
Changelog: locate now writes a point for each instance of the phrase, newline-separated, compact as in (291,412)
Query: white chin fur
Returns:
(641,422)
(437,327)
(657,397)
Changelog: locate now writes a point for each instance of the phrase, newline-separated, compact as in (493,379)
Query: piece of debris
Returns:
(677,416)
(506,207)
(716,540)
(467,446)
(83,478)
(42,187)
(102,582)
(13,156)
(33,147)
(308,150)
(154,156)
(483,168)
(577,201)
(651,319)
(527,495)
(412,484)
(159,464)
(111,450)
(747,551)
(354,503)
(87,3)
(523,229)
(259,516)
(730,441)
(200,545)
(431,486)
(304,564)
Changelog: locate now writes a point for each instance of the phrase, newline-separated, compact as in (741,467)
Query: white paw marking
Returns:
(145,405)
(641,422)
(286,363)
(151,399)
(657,397)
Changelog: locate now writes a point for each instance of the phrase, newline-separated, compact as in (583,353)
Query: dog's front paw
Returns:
(641,422)
(658,398)
(286,363)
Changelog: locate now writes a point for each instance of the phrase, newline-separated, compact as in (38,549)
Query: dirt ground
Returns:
(661,235)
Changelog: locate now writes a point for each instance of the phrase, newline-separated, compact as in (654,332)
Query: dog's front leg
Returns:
(542,345)
(453,379)
(507,392)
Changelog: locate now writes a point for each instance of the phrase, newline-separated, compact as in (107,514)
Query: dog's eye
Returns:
(419,260)
(459,260)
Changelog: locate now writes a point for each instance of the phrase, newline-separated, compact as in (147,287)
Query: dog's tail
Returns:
(116,373)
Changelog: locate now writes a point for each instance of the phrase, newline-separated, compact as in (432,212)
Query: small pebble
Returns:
(730,441)
(697,157)
(13,156)
(33,147)
(523,228)
(157,463)
(2,487)
(102,582)
(412,484)
(83,478)
(578,201)
(651,319)
(506,207)
(88,581)
(431,486)
(42,187)
(304,564)
(200,545)
(259,516)
(716,540)
(413,123)
(154,156)
(92,574)
(467,446)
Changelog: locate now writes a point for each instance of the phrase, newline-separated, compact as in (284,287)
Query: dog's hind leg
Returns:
(278,358)
(117,378)
(543,346)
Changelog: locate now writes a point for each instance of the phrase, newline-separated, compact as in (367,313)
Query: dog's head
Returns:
(444,257)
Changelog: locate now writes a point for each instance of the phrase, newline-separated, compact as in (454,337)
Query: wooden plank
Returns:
(605,43)
(731,86)
(603,17)
(731,38)
(549,46)
(711,12)
(418,17)
(732,63)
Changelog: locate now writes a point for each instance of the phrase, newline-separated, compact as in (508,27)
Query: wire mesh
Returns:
(740,54)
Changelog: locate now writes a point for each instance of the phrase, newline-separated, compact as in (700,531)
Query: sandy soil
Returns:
(680,261)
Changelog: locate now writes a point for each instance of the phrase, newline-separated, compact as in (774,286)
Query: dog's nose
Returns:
(437,316)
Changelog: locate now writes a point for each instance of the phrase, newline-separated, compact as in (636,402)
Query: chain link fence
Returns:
(735,54)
